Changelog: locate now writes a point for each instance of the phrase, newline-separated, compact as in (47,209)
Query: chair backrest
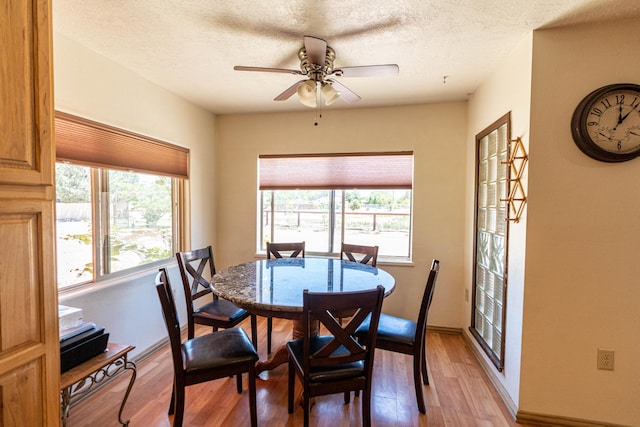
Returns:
(426,300)
(195,274)
(366,254)
(277,249)
(343,347)
(170,314)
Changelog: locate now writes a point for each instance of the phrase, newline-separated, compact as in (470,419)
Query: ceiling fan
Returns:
(316,64)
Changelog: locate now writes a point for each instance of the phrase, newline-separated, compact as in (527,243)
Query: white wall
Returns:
(436,134)
(507,90)
(91,86)
(583,253)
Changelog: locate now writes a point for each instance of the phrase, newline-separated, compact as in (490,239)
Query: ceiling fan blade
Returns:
(316,49)
(268,70)
(346,94)
(289,91)
(387,70)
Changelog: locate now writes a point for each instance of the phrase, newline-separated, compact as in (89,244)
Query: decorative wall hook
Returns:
(517,197)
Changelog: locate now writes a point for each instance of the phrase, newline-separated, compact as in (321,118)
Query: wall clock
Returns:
(606,123)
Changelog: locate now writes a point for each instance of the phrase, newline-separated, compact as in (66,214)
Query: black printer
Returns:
(82,344)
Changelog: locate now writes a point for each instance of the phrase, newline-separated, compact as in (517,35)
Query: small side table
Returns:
(79,380)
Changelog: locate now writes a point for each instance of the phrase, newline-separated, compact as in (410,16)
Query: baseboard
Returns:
(443,330)
(155,347)
(550,420)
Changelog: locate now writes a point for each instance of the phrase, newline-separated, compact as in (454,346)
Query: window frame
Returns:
(151,156)
(375,171)
(497,358)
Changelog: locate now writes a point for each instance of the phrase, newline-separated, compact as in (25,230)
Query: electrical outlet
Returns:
(605,359)
(466,294)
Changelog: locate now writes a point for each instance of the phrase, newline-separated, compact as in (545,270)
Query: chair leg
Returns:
(252,396)
(179,414)
(254,331)
(291,387)
(425,375)
(172,406)
(239,383)
(423,351)
(366,406)
(307,406)
(347,397)
(269,329)
(417,363)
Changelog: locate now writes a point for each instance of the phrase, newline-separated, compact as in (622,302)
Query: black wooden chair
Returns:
(408,337)
(218,313)
(359,253)
(336,363)
(280,250)
(208,357)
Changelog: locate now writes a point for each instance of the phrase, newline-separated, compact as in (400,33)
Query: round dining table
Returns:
(274,287)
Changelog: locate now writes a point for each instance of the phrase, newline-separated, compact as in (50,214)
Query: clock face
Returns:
(606,124)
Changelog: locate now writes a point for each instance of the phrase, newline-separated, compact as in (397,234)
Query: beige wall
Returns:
(583,252)
(582,220)
(91,86)
(436,134)
(507,90)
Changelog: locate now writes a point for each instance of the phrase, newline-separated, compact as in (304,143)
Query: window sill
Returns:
(396,262)
(114,280)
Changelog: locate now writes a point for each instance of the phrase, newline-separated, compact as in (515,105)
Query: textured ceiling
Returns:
(190,46)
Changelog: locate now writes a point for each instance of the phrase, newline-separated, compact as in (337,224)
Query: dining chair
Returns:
(281,250)
(408,337)
(335,363)
(205,358)
(218,313)
(359,253)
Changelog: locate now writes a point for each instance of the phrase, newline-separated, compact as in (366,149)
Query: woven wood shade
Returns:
(389,170)
(85,142)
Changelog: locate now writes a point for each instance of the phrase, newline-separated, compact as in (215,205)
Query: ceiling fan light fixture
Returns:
(330,94)
(307,93)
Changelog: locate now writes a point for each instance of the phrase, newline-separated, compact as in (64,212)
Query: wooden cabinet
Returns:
(29,343)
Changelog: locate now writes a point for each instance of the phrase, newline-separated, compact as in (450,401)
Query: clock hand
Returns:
(626,115)
(620,119)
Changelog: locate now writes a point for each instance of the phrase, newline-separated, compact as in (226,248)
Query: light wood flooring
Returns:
(459,393)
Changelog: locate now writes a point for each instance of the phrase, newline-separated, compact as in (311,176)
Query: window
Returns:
(491,232)
(119,218)
(134,221)
(312,198)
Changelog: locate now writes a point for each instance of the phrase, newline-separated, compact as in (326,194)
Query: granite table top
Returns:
(273,287)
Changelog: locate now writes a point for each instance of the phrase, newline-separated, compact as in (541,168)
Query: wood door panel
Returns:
(21,396)
(29,341)
(15,75)
(25,129)
(20,307)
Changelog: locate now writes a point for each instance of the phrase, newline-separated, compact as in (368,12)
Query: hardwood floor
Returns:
(459,393)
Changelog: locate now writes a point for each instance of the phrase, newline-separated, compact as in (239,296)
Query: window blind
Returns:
(336,171)
(85,142)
